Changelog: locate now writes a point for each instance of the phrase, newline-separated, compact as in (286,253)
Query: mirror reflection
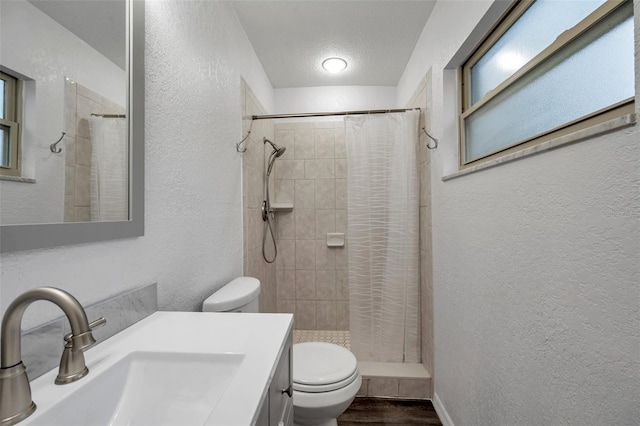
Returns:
(63,78)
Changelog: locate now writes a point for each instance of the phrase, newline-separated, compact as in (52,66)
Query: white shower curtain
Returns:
(383,233)
(109,169)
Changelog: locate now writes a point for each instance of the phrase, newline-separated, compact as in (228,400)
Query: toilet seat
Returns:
(322,367)
(326,388)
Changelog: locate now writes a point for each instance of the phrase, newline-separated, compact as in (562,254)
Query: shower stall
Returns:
(357,179)
(349,214)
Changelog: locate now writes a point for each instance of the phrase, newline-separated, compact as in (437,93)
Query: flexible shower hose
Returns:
(267,225)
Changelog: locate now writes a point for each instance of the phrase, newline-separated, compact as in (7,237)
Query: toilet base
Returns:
(323,409)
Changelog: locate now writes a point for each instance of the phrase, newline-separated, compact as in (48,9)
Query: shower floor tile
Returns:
(337,337)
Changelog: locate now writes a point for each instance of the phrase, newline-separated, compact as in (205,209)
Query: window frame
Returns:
(626,106)
(12,120)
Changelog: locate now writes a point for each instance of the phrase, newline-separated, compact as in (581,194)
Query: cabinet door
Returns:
(281,390)
(263,417)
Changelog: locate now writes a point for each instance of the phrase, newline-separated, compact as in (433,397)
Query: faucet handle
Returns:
(72,365)
(92,326)
(97,323)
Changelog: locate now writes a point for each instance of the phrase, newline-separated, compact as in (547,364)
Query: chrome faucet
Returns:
(15,393)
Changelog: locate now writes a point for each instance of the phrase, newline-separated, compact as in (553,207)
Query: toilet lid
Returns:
(321,367)
(235,294)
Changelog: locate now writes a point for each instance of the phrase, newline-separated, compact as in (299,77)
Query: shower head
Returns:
(276,149)
(277,152)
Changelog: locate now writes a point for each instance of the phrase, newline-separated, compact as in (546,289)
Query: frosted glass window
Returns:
(5,147)
(579,70)
(9,126)
(536,29)
(592,73)
(3,97)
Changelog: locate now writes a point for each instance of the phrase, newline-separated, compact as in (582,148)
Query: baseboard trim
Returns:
(442,412)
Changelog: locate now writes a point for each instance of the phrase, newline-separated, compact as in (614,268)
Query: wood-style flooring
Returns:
(386,412)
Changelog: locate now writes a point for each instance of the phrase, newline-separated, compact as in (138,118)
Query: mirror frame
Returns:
(28,237)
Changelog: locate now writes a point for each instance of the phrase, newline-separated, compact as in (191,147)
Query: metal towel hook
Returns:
(432,138)
(53,147)
(239,144)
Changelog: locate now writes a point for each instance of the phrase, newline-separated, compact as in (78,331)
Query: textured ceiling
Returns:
(292,38)
(100,23)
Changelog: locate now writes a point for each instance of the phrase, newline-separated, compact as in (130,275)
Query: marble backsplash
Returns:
(42,345)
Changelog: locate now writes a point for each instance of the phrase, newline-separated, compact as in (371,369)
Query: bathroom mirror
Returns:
(130,222)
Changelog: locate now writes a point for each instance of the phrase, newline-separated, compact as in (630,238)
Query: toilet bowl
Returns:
(325,382)
(325,376)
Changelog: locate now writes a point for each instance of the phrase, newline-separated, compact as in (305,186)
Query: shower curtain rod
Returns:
(329,114)
(109,115)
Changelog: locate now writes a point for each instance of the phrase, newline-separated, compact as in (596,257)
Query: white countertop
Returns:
(260,337)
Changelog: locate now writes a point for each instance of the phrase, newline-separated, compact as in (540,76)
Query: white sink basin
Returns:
(170,369)
(150,388)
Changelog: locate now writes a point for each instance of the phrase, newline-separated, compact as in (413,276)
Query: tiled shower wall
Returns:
(422,99)
(80,103)
(312,174)
(253,166)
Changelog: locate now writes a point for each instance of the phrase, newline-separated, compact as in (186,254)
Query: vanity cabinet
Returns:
(277,407)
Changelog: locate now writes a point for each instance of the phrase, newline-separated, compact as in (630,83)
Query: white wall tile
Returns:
(342,284)
(324,143)
(285,226)
(383,387)
(83,193)
(342,259)
(326,315)
(305,224)
(284,191)
(342,316)
(305,316)
(325,192)
(286,306)
(341,168)
(341,221)
(304,144)
(413,388)
(286,284)
(325,284)
(340,143)
(325,256)
(341,193)
(305,280)
(305,254)
(304,194)
(289,169)
(286,254)
(319,169)
(285,138)
(325,223)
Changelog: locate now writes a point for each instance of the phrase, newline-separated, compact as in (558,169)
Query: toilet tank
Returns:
(240,295)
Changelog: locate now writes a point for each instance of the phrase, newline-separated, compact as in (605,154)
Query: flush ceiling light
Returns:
(334,65)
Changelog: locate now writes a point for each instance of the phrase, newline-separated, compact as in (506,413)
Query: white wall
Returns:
(333,98)
(536,301)
(56,53)
(196,52)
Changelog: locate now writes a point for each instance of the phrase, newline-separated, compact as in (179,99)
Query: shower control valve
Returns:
(265,211)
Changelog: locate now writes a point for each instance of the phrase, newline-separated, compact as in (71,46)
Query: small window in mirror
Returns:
(10,115)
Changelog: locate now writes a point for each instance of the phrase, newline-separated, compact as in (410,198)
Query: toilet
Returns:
(325,376)
(325,382)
